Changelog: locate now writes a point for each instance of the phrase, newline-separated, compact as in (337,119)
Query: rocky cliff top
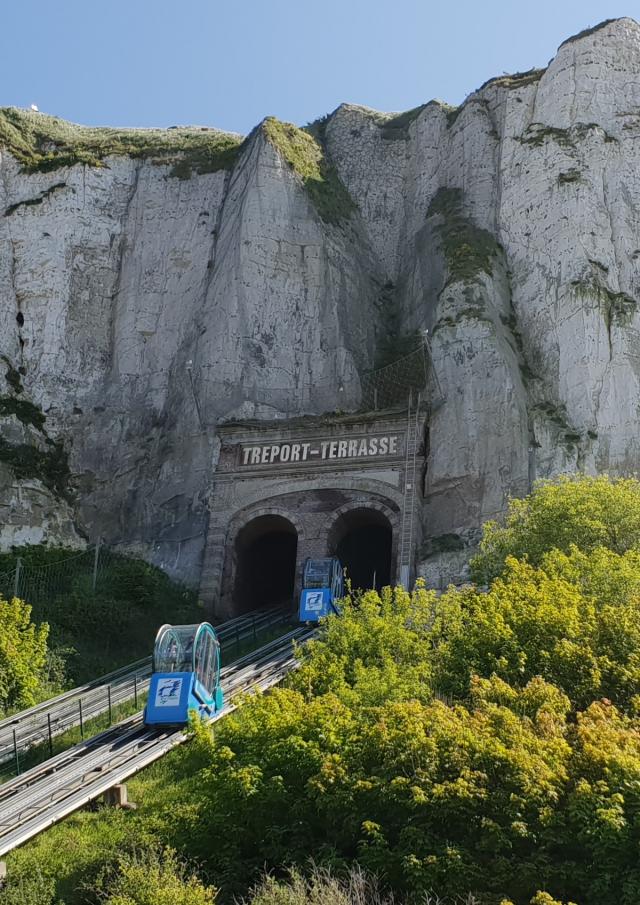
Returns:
(154,282)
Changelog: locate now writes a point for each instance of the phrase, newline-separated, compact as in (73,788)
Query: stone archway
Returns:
(363,535)
(261,565)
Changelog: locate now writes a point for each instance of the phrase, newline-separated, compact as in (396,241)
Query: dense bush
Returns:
(581,511)
(483,742)
(152,878)
(575,621)
(23,655)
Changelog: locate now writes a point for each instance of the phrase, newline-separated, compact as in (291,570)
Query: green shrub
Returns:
(35,889)
(23,655)
(468,250)
(586,512)
(151,877)
(574,620)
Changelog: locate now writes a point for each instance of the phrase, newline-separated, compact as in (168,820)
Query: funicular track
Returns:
(49,792)
(40,724)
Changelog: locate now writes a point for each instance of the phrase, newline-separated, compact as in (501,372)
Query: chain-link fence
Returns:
(38,582)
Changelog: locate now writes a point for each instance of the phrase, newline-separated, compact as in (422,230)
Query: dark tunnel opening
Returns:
(362,541)
(266,563)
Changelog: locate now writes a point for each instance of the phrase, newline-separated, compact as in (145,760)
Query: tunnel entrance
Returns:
(362,539)
(266,563)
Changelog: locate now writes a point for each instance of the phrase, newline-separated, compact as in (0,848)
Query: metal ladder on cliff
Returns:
(409,492)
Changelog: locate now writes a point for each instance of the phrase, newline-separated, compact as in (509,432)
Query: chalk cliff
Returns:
(154,282)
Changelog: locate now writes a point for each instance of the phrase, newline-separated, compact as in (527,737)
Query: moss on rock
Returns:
(24,410)
(469,251)
(307,159)
(49,465)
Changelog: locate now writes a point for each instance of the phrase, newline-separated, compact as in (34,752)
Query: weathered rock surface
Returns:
(138,306)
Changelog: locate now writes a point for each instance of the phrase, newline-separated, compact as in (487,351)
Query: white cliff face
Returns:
(142,307)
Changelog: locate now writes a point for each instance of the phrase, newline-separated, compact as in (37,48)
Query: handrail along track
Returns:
(42,796)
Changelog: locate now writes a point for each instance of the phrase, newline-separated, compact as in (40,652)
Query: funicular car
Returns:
(322,587)
(186,675)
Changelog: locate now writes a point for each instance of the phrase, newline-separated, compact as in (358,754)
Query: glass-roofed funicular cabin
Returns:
(322,586)
(186,674)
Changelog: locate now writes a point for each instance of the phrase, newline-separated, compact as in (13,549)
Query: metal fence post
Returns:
(50,735)
(16,578)
(135,689)
(109,700)
(15,751)
(81,721)
(96,558)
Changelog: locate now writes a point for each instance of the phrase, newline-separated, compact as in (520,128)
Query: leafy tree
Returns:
(586,512)
(23,655)
(575,621)
(430,796)
(376,651)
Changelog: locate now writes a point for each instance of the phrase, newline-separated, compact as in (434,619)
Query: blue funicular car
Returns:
(322,586)
(186,675)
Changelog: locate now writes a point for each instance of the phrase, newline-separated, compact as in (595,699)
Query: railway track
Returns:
(46,794)
(41,724)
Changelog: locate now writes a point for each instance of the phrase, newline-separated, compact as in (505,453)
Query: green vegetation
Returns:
(572,175)
(47,462)
(97,632)
(12,375)
(24,410)
(481,746)
(150,878)
(617,307)
(306,157)
(396,127)
(44,143)
(468,250)
(23,655)
(587,512)
(537,134)
(49,465)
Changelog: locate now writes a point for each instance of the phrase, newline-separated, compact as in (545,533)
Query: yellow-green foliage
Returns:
(583,511)
(43,143)
(574,620)
(23,654)
(152,878)
(307,158)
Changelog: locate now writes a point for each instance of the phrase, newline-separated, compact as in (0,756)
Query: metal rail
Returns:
(39,725)
(40,797)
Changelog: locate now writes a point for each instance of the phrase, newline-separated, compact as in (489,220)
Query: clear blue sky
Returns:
(229,64)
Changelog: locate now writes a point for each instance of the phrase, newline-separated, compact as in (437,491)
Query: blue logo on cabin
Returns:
(314,604)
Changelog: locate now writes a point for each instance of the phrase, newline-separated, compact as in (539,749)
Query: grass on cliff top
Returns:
(306,157)
(43,143)
(468,249)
